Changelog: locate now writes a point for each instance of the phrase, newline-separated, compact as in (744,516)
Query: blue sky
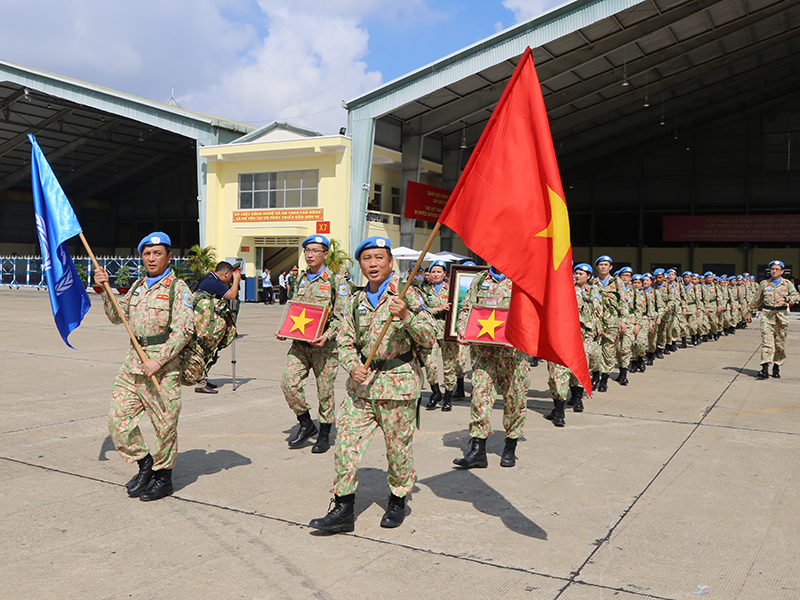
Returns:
(249,60)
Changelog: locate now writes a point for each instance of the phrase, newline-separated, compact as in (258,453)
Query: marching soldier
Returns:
(383,395)
(159,310)
(505,367)
(613,324)
(435,294)
(321,286)
(775,295)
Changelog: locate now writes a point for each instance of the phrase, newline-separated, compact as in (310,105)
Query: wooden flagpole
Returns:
(107,289)
(414,271)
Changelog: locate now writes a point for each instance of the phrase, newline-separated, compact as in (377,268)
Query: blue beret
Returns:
(583,267)
(777,262)
(157,238)
(672,271)
(732,278)
(469,263)
(375,241)
(745,274)
(739,277)
(659,272)
(317,239)
(638,277)
(604,257)
(625,270)
(707,273)
(752,277)
(696,275)
(685,273)
(648,274)
(438,263)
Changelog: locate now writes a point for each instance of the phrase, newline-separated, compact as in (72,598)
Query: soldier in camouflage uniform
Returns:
(501,366)
(318,285)
(711,301)
(664,302)
(435,294)
(383,395)
(627,339)
(679,329)
(691,300)
(158,308)
(774,295)
(652,317)
(643,322)
(613,321)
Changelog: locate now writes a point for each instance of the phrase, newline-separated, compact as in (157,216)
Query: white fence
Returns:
(26,271)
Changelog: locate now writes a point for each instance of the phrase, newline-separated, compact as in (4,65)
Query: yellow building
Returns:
(269,190)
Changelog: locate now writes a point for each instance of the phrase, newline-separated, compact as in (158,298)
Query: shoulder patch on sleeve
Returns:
(344,290)
(187,299)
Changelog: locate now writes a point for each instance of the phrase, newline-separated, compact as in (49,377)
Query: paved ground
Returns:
(685,483)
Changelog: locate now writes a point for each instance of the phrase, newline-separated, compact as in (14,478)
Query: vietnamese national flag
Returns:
(509,208)
(486,325)
(303,321)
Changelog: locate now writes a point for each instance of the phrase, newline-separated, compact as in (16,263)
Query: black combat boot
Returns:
(340,518)
(557,414)
(732,330)
(602,385)
(695,340)
(683,343)
(666,351)
(704,338)
(640,365)
(160,486)
(508,459)
(776,371)
(576,398)
(476,457)
(447,404)
(306,430)
(534,362)
(632,366)
(323,442)
(395,512)
(716,336)
(764,372)
(659,353)
(436,396)
(622,378)
(142,478)
(459,393)
(649,360)
(595,379)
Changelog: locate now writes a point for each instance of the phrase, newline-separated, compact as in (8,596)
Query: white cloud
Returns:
(527,9)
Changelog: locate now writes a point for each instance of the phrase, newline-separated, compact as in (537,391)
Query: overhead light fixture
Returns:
(646,99)
(625,68)
(662,108)
(463,135)
(141,139)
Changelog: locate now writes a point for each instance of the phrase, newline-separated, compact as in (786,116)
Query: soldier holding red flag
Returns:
(323,287)
(493,364)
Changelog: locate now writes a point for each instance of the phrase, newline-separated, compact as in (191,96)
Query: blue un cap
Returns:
(317,239)
(685,273)
(707,273)
(776,262)
(375,241)
(438,263)
(583,267)
(604,257)
(638,277)
(625,270)
(648,274)
(157,238)
(658,272)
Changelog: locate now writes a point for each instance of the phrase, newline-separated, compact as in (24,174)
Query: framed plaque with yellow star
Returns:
(487,325)
(303,321)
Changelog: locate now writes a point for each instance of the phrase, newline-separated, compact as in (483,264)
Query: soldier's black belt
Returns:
(153,340)
(774,307)
(390,363)
(440,315)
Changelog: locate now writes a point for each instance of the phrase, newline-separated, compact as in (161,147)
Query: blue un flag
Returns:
(56,223)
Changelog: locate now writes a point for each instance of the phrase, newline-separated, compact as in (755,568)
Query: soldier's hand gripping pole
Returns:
(402,296)
(107,289)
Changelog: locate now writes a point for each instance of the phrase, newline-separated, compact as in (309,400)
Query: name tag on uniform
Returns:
(162,297)
(326,287)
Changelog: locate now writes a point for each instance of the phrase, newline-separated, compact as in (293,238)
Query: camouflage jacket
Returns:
(590,310)
(692,300)
(771,295)
(330,289)
(485,290)
(148,312)
(614,306)
(360,329)
(628,296)
(652,303)
(710,300)
(433,300)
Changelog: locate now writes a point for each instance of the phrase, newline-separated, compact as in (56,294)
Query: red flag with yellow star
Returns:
(509,208)
(486,325)
(303,321)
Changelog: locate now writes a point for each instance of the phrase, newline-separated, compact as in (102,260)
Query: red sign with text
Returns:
(425,202)
(323,226)
(732,228)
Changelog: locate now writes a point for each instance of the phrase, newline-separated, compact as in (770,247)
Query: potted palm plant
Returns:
(123,280)
(82,275)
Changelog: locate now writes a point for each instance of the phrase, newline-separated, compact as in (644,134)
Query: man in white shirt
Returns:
(266,285)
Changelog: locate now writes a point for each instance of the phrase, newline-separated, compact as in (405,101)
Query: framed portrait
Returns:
(461,277)
(303,321)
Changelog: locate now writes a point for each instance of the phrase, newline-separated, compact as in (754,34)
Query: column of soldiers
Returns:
(627,320)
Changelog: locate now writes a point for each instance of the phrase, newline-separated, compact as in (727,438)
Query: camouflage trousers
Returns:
(449,364)
(592,350)
(134,394)
(356,423)
(640,341)
(508,369)
(652,335)
(608,349)
(774,325)
(625,344)
(558,381)
(662,330)
(727,318)
(680,327)
(692,321)
(301,359)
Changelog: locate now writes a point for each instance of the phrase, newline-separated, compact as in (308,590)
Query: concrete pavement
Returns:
(684,484)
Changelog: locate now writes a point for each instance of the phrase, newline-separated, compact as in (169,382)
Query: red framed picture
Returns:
(303,321)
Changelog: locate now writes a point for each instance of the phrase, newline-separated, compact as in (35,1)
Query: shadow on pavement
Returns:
(465,486)
(108,446)
(194,463)
(746,372)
